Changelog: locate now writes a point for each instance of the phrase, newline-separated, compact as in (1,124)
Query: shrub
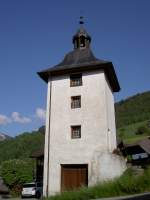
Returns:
(142,130)
(16,172)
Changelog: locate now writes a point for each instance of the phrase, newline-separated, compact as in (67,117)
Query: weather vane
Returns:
(81,20)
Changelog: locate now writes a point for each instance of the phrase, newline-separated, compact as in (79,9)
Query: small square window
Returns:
(75,132)
(76,102)
(75,80)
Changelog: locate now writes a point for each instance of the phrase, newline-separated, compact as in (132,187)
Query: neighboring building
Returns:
(80,124)
(39,162)
(38,156)
(138,153)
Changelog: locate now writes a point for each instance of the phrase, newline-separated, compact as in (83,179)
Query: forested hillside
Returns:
(133,118)
(132,110)
(21,146)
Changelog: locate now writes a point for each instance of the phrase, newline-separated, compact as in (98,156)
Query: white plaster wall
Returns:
(107,165)
(93,116)
(111,126)
(47,139)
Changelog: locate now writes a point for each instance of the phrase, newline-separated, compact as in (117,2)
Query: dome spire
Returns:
(81,39)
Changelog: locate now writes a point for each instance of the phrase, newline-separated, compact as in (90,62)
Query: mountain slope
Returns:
(132,110)
(4,137)
(21,146)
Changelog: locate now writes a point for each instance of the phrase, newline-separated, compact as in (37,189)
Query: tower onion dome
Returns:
(81,39)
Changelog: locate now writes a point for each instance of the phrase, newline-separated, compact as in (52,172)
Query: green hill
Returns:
(21,146)
(132,110)
(132,115)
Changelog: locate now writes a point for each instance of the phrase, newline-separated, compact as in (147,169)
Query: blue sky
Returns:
(35,34)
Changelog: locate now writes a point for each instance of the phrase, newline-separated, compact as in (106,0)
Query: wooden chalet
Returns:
(39,158)
(137,153)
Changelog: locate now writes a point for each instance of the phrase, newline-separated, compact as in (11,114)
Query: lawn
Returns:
(128,133)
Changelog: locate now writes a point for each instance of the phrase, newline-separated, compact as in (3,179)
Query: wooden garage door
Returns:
(73,176)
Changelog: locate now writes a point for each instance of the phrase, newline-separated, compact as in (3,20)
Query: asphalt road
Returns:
(144,196)
(18,198)
(141,197)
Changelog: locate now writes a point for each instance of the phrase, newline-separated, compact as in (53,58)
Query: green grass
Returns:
(129,130)
(127,184)
(134,139)
(133,109)
(128,133)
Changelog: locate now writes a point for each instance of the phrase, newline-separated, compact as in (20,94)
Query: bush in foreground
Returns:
(16,172)
(128,183)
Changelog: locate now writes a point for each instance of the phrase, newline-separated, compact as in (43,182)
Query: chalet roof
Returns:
(82,60)
(38,153)
(144,144)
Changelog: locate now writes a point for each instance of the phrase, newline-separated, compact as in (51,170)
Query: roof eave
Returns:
(107,67)
(44,75)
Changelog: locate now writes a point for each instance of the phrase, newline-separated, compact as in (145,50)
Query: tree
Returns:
(16,172)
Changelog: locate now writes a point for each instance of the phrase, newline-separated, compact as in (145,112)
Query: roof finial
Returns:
(81,20)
